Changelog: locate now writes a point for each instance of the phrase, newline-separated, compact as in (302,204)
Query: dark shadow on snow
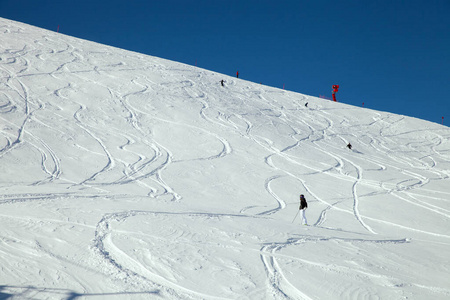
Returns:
(22,292)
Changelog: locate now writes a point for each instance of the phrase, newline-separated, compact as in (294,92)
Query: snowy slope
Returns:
(125,176)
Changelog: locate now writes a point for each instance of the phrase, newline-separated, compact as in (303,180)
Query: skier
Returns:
(349,146)
(237,74)
(303,207)
(222,81)
(306,104)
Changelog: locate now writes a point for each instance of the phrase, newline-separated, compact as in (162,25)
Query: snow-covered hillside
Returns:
(125,176)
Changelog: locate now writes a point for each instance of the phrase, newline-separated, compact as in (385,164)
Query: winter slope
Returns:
(125,176)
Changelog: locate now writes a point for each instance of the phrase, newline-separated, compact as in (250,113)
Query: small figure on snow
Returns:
(303,207)
(349,146)
(222,81)
(306,104)
(237,74)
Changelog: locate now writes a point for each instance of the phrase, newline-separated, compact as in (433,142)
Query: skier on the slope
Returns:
(303,207)
(349,146)
(222,81)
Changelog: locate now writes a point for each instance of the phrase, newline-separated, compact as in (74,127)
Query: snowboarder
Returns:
(302,208)
(222,81)
(349,146)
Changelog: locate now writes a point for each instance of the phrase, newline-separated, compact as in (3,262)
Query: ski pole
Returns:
(295,216)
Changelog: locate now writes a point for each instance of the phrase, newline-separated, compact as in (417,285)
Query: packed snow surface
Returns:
(126,176)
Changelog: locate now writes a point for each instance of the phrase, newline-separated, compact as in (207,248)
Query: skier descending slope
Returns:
(303,207)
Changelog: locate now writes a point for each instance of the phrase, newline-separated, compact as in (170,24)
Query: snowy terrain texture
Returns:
(126,176)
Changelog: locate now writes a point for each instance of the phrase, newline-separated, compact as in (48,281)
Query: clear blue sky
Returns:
(393,55)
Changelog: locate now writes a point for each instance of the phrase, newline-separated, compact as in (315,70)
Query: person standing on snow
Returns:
(303,207)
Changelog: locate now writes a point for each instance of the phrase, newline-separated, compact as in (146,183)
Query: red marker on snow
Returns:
(335,89)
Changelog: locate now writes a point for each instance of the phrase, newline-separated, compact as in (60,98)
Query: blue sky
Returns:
(392,55)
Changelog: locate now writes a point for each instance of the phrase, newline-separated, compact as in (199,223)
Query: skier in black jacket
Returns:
(303,207)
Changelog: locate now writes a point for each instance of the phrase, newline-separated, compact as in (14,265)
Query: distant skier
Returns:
(237,74)
(303,207)
(306,104)
(222,81)
(349,146)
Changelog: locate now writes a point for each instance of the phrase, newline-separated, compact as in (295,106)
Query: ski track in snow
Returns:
(116,134)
